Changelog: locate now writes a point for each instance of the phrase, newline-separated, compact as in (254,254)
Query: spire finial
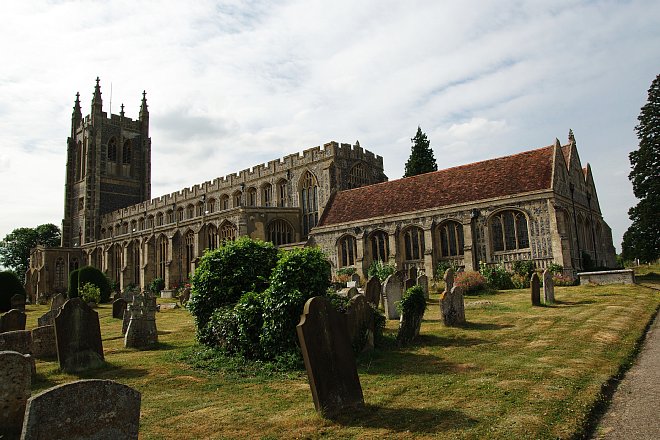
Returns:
(121,113)
(571,137)
(97,103)
(144,109)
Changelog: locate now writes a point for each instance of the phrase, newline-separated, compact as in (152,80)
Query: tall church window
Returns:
(347,251)
(117,260)
(190,253)
(451,239)
(59,273)
(228,232)
(179,214)
(126,153)
(252,196)
(170,216)
(161,256)
(159,219)
(79,161)
(136,262)
(224,202)
(413,239)
(509,231)
(380,247)
(190,211)
(358,176)
(212,237)
(112,150)
(267,194)
(309,201)
(280,232)
(200,209)
(281,193)
(210,205)
(141,224)
(237,199)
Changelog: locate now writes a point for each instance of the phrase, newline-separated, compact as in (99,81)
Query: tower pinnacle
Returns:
(97,102)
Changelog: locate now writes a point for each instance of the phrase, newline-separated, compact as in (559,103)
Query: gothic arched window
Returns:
(281,193)
(267,194)
(190,253)
(252,196)
(358,176)
(309,201)
(451,239)
(190,211)
(112,150)
(413,240)
(280,232)
(59,273)
(228,232)
(126,153)
(237,196)
(347,250)
(161,256)
(224,202)
(212,237)
(509,231)
(380,246)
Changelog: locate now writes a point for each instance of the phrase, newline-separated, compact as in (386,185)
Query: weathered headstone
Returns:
(47,318)
(84,409)
(125,320)
(184,296)
(372,291)
(19,340)
(18,302)
(141,331)
(12,320)
(15,390)
(452,306)
(43,342)
(392,293)
(360,323)
(329,358)
(423,282)
(548,287)
(118,307)
(355,278)
(78,336)
(449,279)
(412,273)
(348,292)
(409,326)
(410,282)
(57,302)
(535,289)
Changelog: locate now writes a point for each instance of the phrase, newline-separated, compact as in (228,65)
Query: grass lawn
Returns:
(513,371)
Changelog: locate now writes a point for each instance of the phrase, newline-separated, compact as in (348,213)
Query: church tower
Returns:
(108,167)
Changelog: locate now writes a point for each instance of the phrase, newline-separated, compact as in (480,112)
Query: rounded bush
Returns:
(72,291)
(10,285)
(497,277)
(306,270)
(90,293)
(92,275)
(470,282)
(282,310)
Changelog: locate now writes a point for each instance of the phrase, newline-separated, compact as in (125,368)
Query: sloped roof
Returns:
(519,173)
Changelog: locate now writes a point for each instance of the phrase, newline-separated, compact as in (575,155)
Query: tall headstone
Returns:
(84,409)
(535,289)
(329,358)
(141,331)
(548,287)
(452,307)
(43,342)
(78,336)
(18,302)
(392,293)
(360,323)
(372,291)
(449,279)
(410,282)
(12,320)
(15,390)
(412,273)
(118,307)
(423,282)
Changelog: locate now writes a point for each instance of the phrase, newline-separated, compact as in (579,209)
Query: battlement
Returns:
(116,120)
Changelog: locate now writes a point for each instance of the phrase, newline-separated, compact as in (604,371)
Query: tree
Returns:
(642,239)
(421,158)
(16,246)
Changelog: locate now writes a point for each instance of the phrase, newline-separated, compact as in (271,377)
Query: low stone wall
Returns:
(624,276)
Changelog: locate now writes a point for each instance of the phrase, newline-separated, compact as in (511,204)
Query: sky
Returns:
(233,84)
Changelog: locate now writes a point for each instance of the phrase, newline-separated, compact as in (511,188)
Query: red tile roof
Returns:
(519,173)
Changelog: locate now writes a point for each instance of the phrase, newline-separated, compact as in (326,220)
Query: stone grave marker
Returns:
(329,358)
(449,279)
(410,282)
(19,340)
(535,289)
(78,336)
(184,296)
(392,293)
(348,292)
(548,287)
(355,278)
(18,302)
(452,307)
(84,409)
(15,390)
(141,331)
(409,326)
(57,302)
(118,307)
(360,323)
(412,273)
(43,342)
(46,319)
(423,282)
(372,290)
(12,320)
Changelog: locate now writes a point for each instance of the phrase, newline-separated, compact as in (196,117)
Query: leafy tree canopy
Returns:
(421,158)
(642,239)
(16,246)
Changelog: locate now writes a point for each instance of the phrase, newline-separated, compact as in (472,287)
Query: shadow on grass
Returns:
(483,326)
(415,420)
(574,303)
(112,371)
(403,362)
(455,341)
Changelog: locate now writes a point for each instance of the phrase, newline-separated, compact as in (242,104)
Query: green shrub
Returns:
(306,270)
(156,286)
(555,268)
(90,274)
(561,280)
(442,267)
(413,301)
(10,285)
(519,281)
(381,270)
(72,291)
(221,330)
(471,282)
(89,293)
(496,276)
(248,315)
(524,268)
(348,271)
(225,274)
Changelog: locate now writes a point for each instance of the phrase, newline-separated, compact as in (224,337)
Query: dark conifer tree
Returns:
(421,158)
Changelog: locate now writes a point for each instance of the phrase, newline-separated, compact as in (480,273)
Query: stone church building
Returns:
(539,205)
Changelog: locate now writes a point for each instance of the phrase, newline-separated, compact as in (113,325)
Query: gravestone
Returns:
(410,282)
(392,293)
(184,297)
(348,292)
(409,326)
(12,320)
(43,342)
(78,336)
(329,358)
(372,291)
(15,390)
(360,323)
(141,331)
(125,320)
(57,303)
(355,278)
(423,282)
(412,273)
(18,302)
(548,287)
(452,307)
(46,319)
(19,340)
(118,307)
(84,409)
(535,289)
(449,279)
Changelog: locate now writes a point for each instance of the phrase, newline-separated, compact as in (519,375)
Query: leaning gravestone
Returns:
(43,342)
(12,320)
(118,307)
(18,302)
(329,358)
(85,409)
(409,326)
(392,293)
(46,319)
(57,303)
(15,390)
(372,291)
(452,307)
(360,323)
(78,336)
(141,331)
(548,287)
(449,279)
(423,282)
(535,289)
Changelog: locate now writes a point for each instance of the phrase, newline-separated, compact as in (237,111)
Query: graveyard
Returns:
(511,370)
